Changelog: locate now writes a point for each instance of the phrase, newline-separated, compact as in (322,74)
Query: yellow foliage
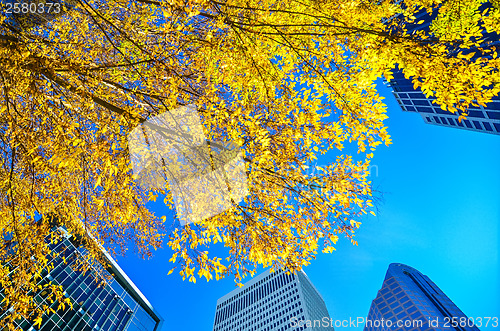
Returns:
(286,80)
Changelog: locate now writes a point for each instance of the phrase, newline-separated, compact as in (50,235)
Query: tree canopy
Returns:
(286,81)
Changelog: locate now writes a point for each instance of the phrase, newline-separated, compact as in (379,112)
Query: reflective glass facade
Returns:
(111,306)
(270,302)
(410,301)
(483,119)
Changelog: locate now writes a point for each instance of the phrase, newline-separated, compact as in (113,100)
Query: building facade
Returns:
(482,119)
(410,301)
(273,302)
(113,305)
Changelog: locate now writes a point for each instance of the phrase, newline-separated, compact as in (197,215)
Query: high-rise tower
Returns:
(115,304)
(273,302)
(410,301)
(483,119)
(480,118)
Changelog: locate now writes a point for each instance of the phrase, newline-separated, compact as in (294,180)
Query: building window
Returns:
(493,105)
(425,110)
(438,110)
(421,102)
(487,126)
(493,115)
(476,113)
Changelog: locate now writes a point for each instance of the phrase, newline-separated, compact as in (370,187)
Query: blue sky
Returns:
(440,214)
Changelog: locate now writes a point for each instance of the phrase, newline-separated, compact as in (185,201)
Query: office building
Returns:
(273,301)
(410,301)
(114,305)
(482,119)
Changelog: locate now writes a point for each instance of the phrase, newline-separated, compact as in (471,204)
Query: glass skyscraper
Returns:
(273,302)
(114,305)
(410,301)
(483,119)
